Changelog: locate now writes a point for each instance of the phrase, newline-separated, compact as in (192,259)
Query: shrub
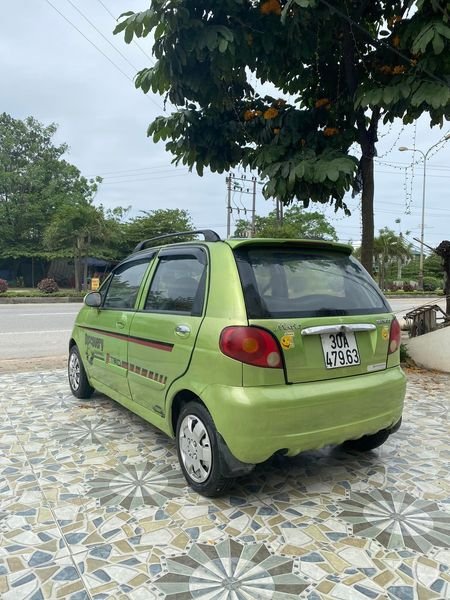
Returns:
(393,287)
(48,286)
(407,287)
(3,286)
(430,284)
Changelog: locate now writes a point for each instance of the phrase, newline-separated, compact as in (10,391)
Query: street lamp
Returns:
(422,227)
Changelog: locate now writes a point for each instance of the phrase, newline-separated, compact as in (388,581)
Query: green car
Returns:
(242,349)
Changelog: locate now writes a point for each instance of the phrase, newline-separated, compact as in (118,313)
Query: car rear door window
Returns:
(125,283)
(178,285)
(297,282)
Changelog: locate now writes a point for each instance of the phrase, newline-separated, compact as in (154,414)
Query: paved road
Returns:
(35,330)
(402,305)
(42,330)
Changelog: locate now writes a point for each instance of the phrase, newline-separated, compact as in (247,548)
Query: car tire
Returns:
(199,453)
(78,381)
(368,442)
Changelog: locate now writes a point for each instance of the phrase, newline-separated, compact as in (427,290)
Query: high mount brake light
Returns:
(394,337)
(251,345)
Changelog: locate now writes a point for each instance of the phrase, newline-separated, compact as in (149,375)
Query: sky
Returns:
(67,73)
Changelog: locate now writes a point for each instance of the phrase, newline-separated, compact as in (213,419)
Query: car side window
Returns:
(124,286)
(178,286)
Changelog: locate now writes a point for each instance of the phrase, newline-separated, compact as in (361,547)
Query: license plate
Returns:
(340,350)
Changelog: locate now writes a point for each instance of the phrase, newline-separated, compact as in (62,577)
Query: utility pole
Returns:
(228,180)
(254,207)
(279,211)
(234,185)
(422,225)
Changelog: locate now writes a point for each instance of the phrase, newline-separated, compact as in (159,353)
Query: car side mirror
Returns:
(93,299)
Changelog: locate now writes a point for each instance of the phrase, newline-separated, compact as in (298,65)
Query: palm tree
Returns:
(390,248)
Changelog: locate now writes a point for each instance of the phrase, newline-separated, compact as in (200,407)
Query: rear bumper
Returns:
(256,422)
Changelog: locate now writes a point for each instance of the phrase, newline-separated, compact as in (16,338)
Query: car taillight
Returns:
(395,336)
(252,346)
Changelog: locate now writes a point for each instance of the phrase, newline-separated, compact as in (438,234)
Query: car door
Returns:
(163,332)
(106,329)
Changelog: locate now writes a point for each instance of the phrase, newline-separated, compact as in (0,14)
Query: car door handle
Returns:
(120,324)
(183,330)
(338,328)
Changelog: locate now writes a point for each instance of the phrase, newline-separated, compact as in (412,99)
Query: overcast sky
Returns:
(51,72)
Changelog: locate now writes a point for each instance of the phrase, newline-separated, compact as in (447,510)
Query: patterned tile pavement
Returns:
(94,506)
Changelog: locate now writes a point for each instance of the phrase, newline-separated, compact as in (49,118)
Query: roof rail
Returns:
(209,235)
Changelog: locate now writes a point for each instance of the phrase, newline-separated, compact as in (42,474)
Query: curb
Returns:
(40,300)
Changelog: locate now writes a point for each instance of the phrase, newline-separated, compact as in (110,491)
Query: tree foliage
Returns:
(156,222)
(297,223)
(389,249)
(82,229)
(336,67)
(35,181)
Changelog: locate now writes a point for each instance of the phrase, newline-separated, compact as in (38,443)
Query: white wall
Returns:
(431,350)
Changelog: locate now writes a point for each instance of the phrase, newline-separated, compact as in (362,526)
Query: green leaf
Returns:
(443,30)
(300,170)
(120,26)
(292,175)
(388,95)
(405,89)
(423,39)
(333,174)
(305,3)
(438,44)
(129,32)
(159,30)
(211,39)
(223,45)
(225,33)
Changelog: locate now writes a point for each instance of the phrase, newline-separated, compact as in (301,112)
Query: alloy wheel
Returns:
(74,371)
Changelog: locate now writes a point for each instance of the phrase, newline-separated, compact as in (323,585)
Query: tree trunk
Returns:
(76,263)
(368,190)
(447,284)
(367,138)
(85,273)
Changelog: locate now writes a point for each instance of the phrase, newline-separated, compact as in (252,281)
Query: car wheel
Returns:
(198,451)
(78,381)
(368,442)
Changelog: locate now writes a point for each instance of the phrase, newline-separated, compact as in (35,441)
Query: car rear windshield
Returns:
(297,282)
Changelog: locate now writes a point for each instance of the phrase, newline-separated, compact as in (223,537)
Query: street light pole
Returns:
(422,226)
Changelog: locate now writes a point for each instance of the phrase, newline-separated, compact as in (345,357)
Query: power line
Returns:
(102,35)
(131,174)
(404,165)
(98,49)
(146,179)
(134,41)
(397,173)
(112,173)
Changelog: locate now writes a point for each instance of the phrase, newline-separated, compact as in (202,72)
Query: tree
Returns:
(297,223)
(389,249)
(79,227)
(338,67)
(154,223)
(35,182)
(443,251)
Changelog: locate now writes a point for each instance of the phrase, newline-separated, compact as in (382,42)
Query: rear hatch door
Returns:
(329,316)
